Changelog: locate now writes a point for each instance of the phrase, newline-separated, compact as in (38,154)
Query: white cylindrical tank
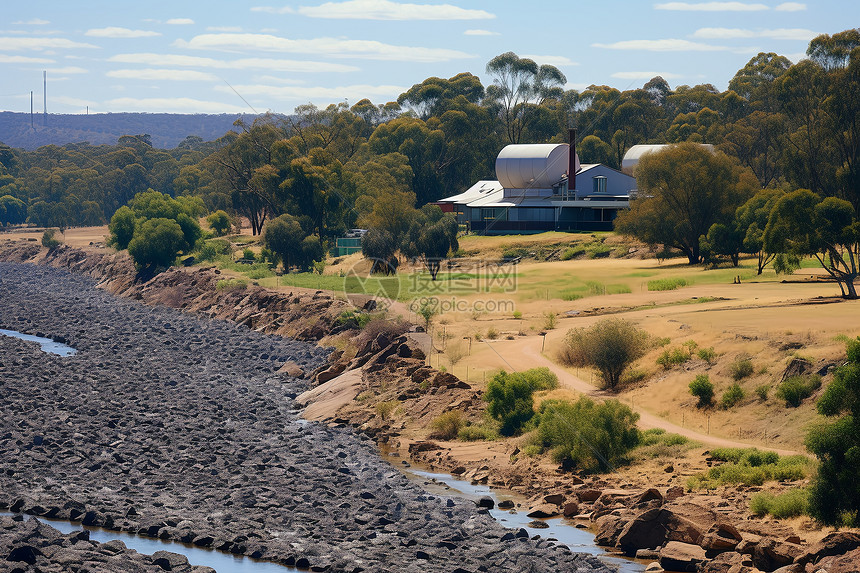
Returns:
(532,166)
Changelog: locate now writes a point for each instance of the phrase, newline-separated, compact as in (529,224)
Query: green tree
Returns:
(835,493)
(684,190)
(219,222)
(121,227)
(156,243)
(290,244)
(379,247)
(802,224)
(610,345)
(702,388)
(752,217)
(431,237)
(13,211)
(519,87)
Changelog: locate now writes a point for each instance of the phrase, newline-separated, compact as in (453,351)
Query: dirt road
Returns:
(530,356)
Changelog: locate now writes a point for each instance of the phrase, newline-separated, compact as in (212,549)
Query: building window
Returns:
(599,184)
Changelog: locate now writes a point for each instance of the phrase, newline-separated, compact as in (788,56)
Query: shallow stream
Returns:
(48,345)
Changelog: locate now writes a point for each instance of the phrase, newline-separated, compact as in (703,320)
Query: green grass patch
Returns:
(750,466)
(657,443)
(667,284)
(231,284)
(792,503)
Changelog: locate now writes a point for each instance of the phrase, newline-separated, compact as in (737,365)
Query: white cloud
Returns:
(32,22)
(117,32)
(388,10)
(790,7)
(277,80)
(480,33)
(4,59)
(711,7)
(272,10)
(644,75)
(68,70)
(552,60)
(40,44)
(230,29)
(180,21)
(669,45)
(800,34)
(318,93)
(268,64)
(368,49)
(160,74)
(171,105)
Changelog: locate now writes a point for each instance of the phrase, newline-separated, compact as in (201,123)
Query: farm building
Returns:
(534,193)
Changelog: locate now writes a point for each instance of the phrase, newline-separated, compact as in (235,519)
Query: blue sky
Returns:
(211,56)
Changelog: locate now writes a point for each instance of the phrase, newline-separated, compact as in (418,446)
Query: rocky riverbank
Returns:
(179,427)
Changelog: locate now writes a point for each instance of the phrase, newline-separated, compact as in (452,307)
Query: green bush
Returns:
(48,239)
(571,252)
(796,388)
(750,466)
(492,333)
(731,396)
(792,503)
(509,397)
(702,388)
(447,426)
(590,436)
(156,243)
(248,254)
(666,284)
(219,222)
(207,252)
(672,357)
(762,391)
(231,284)
(708,354)
(657,443)
(742,368)
(478,432)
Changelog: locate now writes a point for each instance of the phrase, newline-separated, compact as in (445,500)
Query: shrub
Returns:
(657,443)
(742,368)
(447,426)
(791,503)
(590,436)
(550,319)
(231,284)
(478,432)
(121,227)
(509,397)
(762,391)
(796,388)
(219,222)
(610,345)
(666,284)
(673,357)
(702,389)
(207,252)
(750,466)
(571,252)
(48,239)
(156,243)
(732,396)
(385,409)
(517,315)
(492,333)
(835,494)
(248,254)
(708,354)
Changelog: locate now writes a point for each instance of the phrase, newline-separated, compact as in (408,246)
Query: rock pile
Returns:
(172,426)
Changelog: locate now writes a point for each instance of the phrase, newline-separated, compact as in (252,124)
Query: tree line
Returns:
(781,126)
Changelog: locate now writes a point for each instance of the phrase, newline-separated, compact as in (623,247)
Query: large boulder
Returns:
(772,554)
(837,543)
(609,528)
(677,556)
(721,537)
(848,563)
(645,531)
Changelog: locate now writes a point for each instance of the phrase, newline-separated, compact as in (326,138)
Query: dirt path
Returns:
(530,356)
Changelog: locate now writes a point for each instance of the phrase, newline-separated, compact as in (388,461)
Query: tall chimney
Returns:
(571,162)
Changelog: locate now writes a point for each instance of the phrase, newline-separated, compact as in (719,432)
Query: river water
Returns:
(48,345)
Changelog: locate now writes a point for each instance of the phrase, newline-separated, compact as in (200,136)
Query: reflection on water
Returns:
(220,561)
(560,529)
(48,345)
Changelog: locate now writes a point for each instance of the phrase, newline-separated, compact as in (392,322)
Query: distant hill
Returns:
(167,129)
